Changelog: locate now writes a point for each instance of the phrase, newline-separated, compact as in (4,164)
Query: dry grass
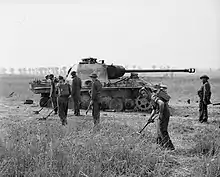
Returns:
(45,148)
(48,149)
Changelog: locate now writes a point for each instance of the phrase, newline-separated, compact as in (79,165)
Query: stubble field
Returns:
(29,147)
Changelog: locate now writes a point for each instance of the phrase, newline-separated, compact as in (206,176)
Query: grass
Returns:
(47,149)
(44,148)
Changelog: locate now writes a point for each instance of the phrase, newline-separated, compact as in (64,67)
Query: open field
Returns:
(29,147)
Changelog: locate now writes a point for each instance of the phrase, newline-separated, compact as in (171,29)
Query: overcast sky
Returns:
(178,33)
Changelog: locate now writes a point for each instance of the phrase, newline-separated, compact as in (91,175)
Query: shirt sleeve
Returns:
(207,90)
(154,103)
(80,83)
(57,88)
(73,86)
(52,89)
(93,91)
(96,89)
(69,89)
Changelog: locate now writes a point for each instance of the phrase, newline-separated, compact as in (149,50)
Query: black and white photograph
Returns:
(109,88)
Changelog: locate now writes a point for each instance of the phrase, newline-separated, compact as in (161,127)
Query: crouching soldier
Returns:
(64,92)
(160,106)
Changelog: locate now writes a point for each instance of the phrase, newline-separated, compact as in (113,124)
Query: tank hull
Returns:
(118,96)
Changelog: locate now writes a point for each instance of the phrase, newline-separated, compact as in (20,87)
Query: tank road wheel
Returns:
(116,104)
(129,104)
(85,99)
(105,101)
(142,104)
(44,102)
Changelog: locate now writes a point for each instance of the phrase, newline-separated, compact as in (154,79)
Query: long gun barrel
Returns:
(215,104)
(190,70)
(116,71)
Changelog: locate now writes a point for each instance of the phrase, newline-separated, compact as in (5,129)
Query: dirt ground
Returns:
(184,128)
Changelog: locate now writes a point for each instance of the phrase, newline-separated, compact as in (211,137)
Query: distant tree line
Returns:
(41,71)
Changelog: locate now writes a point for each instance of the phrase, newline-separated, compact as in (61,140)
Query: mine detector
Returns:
(119,92)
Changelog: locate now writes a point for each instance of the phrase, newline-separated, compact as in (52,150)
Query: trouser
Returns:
(54,103)
(63,109)
(163,138)
(76,102)
(203,111)
(96,112)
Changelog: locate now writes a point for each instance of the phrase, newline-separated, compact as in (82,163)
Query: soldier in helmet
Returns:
(76,87)
(95,98)
(204,94)
(161,107)
(53,95)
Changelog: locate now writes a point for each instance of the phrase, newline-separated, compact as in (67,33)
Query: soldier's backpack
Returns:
(163,95)
(64,89)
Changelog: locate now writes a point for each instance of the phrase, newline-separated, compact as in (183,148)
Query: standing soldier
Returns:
(53,95)
(204,94)
(76,87)
(95,98)
(160,106)
(64,92)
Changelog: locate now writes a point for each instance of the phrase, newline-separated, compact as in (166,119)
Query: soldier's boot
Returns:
(159,141)
(205,120)
(205,115)
(77,113)
(55,111)
(96,126)
(65,121)
(169,145)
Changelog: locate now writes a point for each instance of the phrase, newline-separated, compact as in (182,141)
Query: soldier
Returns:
(204,94)
(64,91)
(160,106)
(95,98)
(53,95)
(76,87)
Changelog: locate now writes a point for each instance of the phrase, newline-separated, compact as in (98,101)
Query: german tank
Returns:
(119,92)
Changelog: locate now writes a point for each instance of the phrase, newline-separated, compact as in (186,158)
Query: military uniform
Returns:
(76,87)
(63,101)
(95,97)
(204,94)
(53,94)
(163,138)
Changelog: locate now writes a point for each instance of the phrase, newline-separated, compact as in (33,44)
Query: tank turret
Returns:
(106,72)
